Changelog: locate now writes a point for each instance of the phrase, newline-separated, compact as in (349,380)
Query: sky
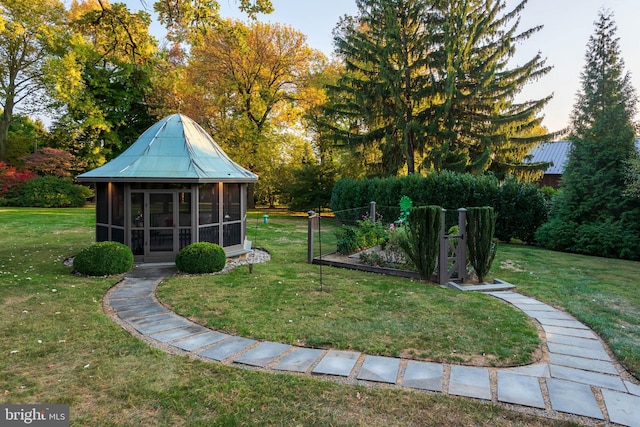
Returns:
(567,26)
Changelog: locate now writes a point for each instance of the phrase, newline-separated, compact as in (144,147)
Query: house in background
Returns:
(172,187)
(556,154)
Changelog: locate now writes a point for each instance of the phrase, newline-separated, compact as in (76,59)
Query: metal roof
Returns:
(556,153)
(176,149)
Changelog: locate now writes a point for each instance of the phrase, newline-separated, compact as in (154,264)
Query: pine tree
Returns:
(479,122)
(427,86)
(385,93)
(592,214)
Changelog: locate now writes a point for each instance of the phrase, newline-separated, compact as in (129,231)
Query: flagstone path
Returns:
(578,377)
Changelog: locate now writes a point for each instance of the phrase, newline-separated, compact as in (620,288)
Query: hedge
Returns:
(520,207)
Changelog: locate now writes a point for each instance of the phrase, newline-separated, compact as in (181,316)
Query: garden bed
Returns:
(351,262)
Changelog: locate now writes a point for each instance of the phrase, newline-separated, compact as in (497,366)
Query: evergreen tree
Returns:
(427,85)
(479,122)
(386,91)
(592,214)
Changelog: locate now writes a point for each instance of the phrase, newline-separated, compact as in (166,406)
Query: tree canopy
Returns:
(428,85)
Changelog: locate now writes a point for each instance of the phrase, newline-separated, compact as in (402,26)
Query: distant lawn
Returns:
(57,345)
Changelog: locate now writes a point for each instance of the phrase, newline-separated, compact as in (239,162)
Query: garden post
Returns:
(311,214)
(372,211)
(462,245)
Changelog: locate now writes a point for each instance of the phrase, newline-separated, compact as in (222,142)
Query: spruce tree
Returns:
(428,85)
(592,214)
(385,93)
(479,121)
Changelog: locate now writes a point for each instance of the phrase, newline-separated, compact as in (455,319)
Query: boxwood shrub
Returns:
(103,259)
(201,257)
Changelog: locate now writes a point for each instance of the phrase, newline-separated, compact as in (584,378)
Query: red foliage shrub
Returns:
(11,177)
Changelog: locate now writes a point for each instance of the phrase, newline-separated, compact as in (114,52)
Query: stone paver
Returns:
(587,343)
(168,322)
(338,363)
(583,363)
(573,398)
(622,408)
(578,364)
(226,348)
(380,369)
(520,390)
(423,375)
(570,332)
(299,360)
(263,354)
(593,378)
(572,350)
(470,381)
(175,334)
(198,341)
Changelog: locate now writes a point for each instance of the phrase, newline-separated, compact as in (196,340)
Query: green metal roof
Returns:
(176,149)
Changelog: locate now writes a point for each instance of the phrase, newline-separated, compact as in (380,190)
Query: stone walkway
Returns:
(578,376)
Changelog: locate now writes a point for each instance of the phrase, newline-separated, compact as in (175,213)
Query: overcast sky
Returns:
(563,40)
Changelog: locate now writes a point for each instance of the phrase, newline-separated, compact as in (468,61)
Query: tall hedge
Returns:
(422,238)
(520,208)
(481,247)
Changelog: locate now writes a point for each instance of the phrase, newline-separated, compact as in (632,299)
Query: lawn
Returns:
(58,346)
(284,301)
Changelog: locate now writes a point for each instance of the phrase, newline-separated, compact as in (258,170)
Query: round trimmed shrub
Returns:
(201,257)
(103,259)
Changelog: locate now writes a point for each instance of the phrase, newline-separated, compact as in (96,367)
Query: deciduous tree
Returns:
(28,37)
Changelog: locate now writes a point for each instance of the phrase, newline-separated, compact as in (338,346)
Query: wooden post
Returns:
(372,211)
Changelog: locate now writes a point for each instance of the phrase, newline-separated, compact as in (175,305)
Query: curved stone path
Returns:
(578,376)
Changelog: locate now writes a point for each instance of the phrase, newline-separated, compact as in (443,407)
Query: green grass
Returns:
(603,293)
(284,301)
(57,346)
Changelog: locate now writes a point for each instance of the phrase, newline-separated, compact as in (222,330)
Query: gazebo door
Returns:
(166,223)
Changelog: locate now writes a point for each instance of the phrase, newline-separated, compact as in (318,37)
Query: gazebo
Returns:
(172,187)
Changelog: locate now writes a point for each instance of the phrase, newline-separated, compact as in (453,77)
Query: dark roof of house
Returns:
(556,153)
(174,149)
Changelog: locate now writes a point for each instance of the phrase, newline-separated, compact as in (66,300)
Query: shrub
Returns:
(201,257)
(422,239)
(51,192)
(481,223)
(347,240)
(12,180)
(521,209)
(103,259)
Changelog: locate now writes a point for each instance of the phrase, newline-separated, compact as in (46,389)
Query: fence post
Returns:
(372,211)
(443,257)
(462,245)
(312,215)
